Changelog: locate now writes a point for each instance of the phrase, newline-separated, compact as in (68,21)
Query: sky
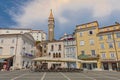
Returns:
(67,13)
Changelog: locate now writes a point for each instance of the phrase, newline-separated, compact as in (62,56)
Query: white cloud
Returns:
(37,11)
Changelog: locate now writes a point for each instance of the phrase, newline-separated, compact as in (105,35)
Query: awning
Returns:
(5,56)
(92,61)
(56,59)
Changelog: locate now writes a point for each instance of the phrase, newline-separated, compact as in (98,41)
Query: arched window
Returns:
(59,55)
(56,55)
(53,55)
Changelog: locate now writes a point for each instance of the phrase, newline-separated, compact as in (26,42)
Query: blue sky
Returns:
(68,13)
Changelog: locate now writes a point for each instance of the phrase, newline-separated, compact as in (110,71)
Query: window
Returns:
(118,44)
(13,40)
(56,55)
(94,65)
(72,50)
(93,52)
(102,46)
(24,42)
(59,47)
(53,55)
(7,31)
(49,54)
(112,55)
(100,37)
(52,47)
(91,42)
(1,50)
(110,45)
(44,46)
(23,63)
(1,41)
(37,37)
(67,50)
(82,52)
(84,65)
(24,50)
(118,35)
(59,55)
(103,55)
(44,51)
(11,50)
(109,36)
(90,32)
(81,34)
(81,43)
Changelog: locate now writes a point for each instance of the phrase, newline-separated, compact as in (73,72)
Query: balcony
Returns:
(29,55)
(108,60)
(88,57)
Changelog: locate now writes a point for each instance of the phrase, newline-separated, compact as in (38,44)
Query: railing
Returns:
(29,55)
(84,57)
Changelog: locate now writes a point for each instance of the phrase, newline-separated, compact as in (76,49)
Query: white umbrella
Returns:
(56,59)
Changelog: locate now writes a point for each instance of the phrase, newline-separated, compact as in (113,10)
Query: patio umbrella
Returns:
(56,59)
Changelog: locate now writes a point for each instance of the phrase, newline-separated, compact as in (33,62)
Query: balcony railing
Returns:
(85,57)
(29,55)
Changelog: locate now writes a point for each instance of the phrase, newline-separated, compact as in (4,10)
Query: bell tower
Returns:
(51,26)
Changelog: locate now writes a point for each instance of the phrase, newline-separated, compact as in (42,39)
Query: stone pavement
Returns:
(85,75)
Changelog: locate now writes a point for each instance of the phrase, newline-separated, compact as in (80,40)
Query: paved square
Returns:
(85,75)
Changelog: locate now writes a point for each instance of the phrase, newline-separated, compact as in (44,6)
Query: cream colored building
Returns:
(38,35)
(17,49)
(55,51)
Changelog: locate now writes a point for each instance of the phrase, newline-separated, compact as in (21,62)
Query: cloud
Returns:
(36,12)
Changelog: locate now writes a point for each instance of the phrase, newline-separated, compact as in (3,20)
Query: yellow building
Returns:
(87,44)
(109,46)
(98,47)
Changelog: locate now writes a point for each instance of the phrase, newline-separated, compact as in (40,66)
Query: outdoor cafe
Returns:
(42,64)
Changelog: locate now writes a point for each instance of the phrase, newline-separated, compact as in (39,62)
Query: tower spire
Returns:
(51,15)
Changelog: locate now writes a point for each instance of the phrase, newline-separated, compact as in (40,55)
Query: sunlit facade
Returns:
(99,47)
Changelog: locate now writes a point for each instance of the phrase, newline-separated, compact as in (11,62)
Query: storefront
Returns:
(89,65)
(6,62)
(109,65)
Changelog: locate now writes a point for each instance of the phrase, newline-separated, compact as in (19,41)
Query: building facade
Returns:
(17,50)
(99,47)
(109,47)
(86,38)
(38,35)
(55,51)
(70,49)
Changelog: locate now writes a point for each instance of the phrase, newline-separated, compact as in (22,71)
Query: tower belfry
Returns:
(51,26)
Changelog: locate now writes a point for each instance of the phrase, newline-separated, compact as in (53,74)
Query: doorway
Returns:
(89,66)
(105,66)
